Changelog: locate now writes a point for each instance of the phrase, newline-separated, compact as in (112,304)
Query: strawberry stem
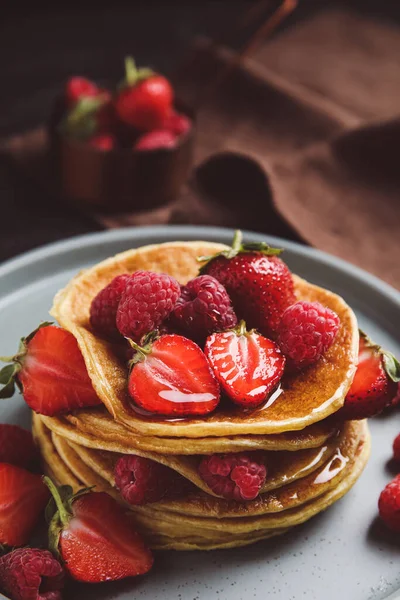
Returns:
(237,240)
(63,513)
(241,328)
(131,72)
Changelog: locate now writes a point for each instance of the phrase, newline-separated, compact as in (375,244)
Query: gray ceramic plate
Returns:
(345,552)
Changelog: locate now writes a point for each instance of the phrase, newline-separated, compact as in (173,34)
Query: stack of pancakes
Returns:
(312,457)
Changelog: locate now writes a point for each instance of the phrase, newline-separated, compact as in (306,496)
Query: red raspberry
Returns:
(306,331)
(148,299)
(31,574)
(233,476)
(203,307)
(396,448)
(17,446)
(155,140)
(178,123)
(389,504)
(103,310)
(142,481)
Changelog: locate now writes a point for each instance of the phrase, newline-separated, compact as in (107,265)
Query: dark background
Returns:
(43,43)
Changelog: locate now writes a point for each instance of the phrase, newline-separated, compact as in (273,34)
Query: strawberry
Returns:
(17,446)
(154,140)
(50,372)
(178,123)
(247,365)
(79,87)
(145,100)
(102,142)
(89,116)
(94,537)
(171,376)
(23,496)
(259,283)
(375,382)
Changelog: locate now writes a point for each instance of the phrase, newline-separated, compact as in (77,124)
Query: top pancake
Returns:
(306,398)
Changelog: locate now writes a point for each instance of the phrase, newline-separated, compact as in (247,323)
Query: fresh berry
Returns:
(233,476)
(396,448)
(142,481)
(103,310)
(31,574)
(50,371)
(259,283)
(178,123)
(147,300)
(247,365)
(203,307)
(375,382)
(79,87)
(307,330)
(89,117)
(154,140)
(95,538)
(23,497)
(389,504)
(146,99)
(171,376)
(17,446)
(102,142)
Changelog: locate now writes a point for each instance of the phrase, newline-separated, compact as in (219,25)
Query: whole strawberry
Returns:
(17,446)
(50,372)
(89,117)
(234,476)
(389,504)
(259,283)
(148,299)
(247,365)
(145,100)
(77,88)
(375,382)
(94,537)
(306,331)
(203,307)
(31,574)
(23,497)
(104,306)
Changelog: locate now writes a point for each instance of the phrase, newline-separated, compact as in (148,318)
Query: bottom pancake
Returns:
(165,528)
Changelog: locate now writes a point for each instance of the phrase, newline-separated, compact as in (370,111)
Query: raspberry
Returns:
(306,331)
(103,310)
(233,476)
(148,299)
(17,446)
(389,504)
(142,481)
(155,140)
(31,574)
(203,307)
(396,448)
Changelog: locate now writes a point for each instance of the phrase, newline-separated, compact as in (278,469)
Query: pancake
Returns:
(169,530)
(95,428)
(306,398)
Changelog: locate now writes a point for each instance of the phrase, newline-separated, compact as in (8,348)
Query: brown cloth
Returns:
(301,139)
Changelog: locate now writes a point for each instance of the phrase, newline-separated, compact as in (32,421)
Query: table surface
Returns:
(45,43)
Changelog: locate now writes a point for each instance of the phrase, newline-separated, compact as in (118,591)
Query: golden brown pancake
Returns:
(306,398)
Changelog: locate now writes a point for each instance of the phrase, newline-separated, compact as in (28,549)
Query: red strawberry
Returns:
(79,87)
(31,574)
(102,142)
(178,123)
(104,306)
(171,376)
(154,140)
(247,365)
(89,116)
(50,371)
(259,283)
(23,496)
(17,446)
(375,382)
(94,537)
(146,99)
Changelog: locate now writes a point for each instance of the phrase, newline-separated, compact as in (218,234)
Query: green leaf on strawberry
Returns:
(390,362)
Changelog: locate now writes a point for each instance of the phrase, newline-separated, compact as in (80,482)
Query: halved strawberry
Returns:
(17,446)
(94,537)
(171,376)
(23,496)
(258,282)
(50,371)
(375,382)
(247,365)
